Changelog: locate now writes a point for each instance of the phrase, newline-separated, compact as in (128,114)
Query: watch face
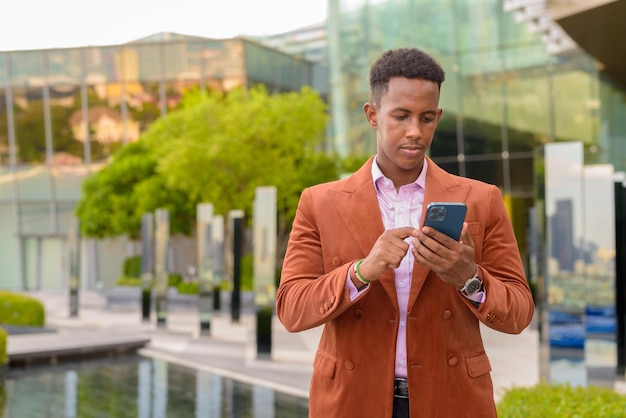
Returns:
(473,286)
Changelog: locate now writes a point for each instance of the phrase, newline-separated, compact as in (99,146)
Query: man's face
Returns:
(405,122)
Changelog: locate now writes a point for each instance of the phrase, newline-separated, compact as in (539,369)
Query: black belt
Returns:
(400,388)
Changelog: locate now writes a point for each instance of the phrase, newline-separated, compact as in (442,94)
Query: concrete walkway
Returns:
(230,348)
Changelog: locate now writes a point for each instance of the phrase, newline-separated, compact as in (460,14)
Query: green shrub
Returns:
(21,310)
(247,272)
(173,281)
(3,347)
(128,281)
(561,401)
(187,288)
(132,266)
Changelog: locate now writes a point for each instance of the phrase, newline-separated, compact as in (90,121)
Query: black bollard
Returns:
(235,304)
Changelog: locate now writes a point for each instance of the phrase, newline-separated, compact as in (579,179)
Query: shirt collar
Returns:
(377,174)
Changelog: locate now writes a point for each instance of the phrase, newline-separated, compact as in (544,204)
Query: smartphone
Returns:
(446,217)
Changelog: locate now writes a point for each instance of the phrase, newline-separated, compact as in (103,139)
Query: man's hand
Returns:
(452,260)
(387,253)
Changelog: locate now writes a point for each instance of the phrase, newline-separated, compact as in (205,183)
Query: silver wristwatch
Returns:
(472,286)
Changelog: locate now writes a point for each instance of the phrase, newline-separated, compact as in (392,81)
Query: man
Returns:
(401,304)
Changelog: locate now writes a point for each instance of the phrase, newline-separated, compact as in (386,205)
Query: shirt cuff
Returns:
(351,288)
(478,297)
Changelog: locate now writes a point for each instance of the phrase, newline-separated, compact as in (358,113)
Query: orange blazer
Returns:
(336,224)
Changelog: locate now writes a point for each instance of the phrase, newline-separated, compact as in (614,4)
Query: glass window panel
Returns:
(4,131)
(482,108)
(27,68)
(450,167)
(528,107)
(523,141)
(64,66)
(481,137)
(233,64)
(213,57)
(67,149)
(3,70)
(445,140)
(104,64)
(574,106)
(109,128)
(260,65)
(139,62)
(176,61)
(33,184)
(29,124)
(611,143)
(521,175)
(489,171)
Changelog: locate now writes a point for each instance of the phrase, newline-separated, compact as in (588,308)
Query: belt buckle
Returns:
(400,388)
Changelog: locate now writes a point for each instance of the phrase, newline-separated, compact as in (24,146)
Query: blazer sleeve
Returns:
(509,305)
(308,294)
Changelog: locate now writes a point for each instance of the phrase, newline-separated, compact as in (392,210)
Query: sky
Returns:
(44,24)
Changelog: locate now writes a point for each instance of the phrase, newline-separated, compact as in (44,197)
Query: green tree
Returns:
(115,198)
(247,139)
(214,148)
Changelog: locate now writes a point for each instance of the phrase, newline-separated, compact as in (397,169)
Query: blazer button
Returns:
(336,261)
(358,314)
(452,361)
(349,365)
(447,314)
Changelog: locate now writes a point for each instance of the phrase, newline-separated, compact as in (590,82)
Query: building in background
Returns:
(64,112)
(309,42)
(516,78)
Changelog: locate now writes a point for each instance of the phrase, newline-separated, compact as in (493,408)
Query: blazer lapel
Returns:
(358,206)
(441,186)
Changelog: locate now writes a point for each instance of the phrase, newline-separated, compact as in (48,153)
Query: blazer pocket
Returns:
(325,363)
(477,364)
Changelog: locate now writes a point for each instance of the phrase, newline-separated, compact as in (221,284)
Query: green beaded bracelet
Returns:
(358,273)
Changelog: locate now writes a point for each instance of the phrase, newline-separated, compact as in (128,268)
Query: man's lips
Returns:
(411,149)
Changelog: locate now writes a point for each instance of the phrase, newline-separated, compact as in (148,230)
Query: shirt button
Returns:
(401,284)
(402,323)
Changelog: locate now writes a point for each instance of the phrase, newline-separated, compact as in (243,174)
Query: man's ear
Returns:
(371,112)
(439,114)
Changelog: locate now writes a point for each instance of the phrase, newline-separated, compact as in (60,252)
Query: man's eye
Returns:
(401,117)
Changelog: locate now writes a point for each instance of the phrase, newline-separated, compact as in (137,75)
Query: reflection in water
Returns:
(134,386)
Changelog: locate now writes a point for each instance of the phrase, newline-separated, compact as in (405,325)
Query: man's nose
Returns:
(414,129)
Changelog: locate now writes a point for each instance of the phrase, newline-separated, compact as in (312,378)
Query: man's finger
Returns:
(466,237)
(402,232)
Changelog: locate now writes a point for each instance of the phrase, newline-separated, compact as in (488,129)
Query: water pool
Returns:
(135,386)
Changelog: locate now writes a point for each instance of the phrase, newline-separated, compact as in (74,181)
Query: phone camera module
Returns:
(437,213)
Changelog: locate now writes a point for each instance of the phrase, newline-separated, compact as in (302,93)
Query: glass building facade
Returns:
(504,95)
(64,112)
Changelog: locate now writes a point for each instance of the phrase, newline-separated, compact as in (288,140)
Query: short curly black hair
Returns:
(402,62)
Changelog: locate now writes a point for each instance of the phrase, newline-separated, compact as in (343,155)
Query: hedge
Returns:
(21,310)
(3,347)
(561,400)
